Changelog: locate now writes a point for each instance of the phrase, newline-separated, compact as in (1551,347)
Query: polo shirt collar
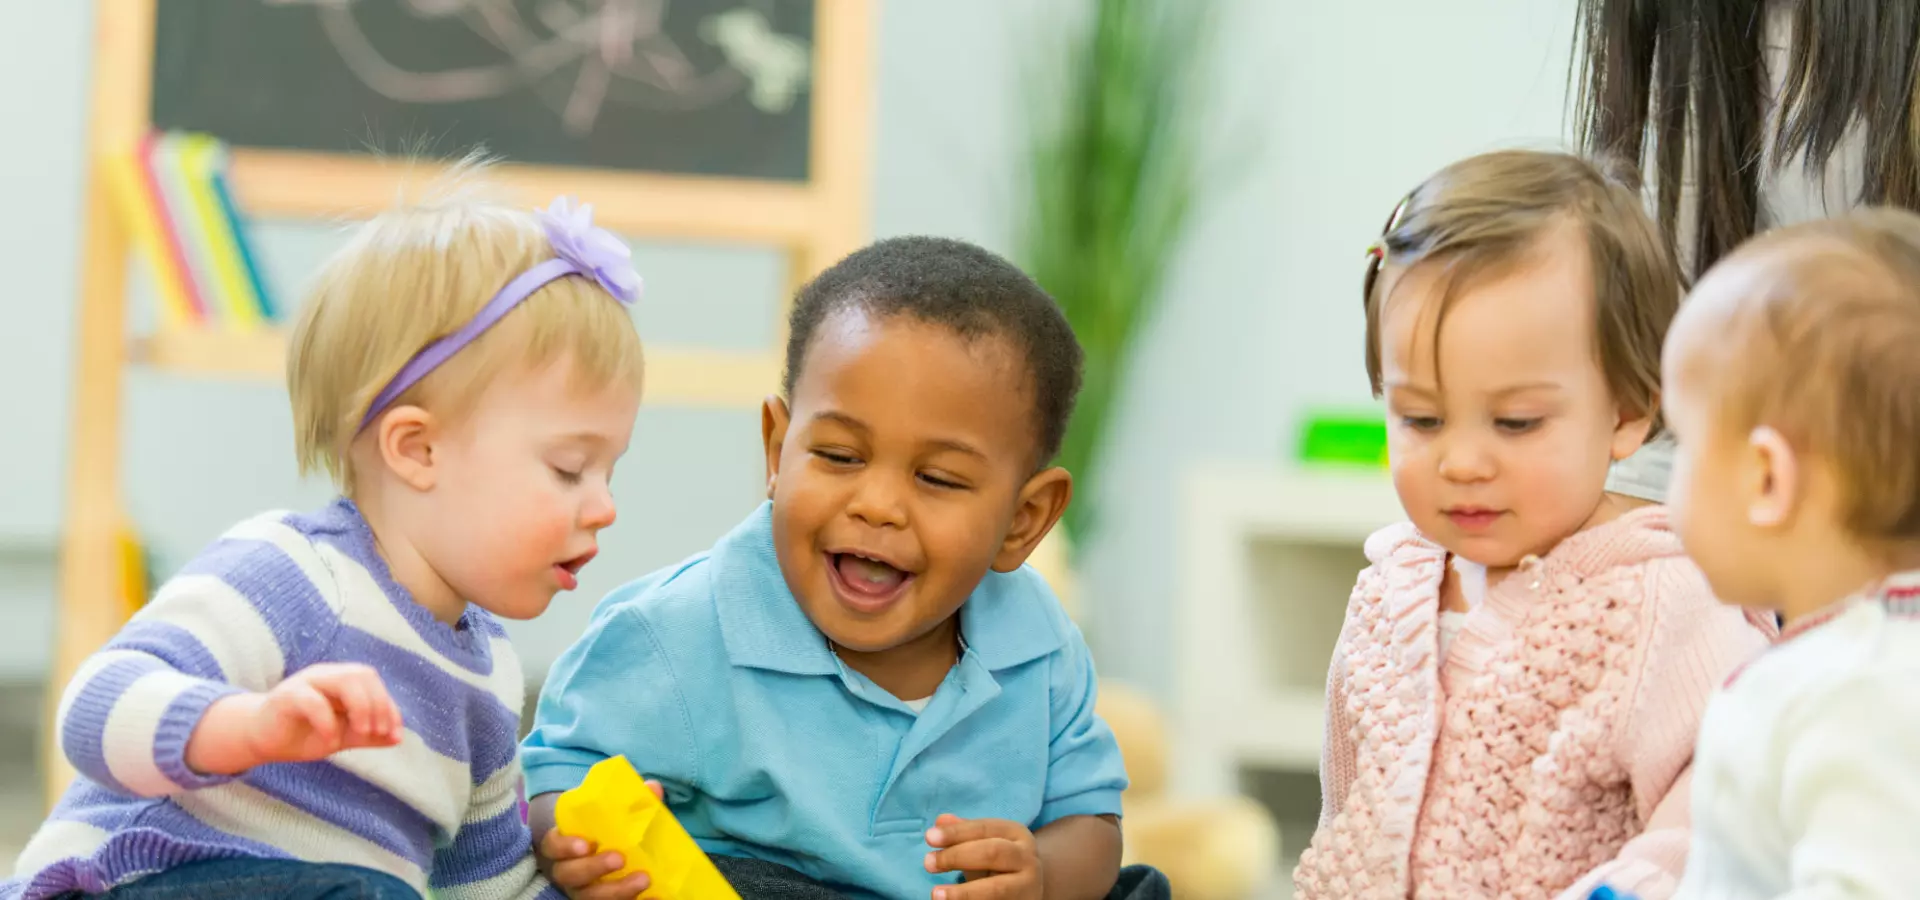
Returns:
(1007,621)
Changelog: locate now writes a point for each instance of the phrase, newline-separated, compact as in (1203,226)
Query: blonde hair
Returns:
(1826,353)
(1486,213)
(416,273)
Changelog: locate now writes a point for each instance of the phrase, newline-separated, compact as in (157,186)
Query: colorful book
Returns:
(242,238)
(154,162)
(133,200)
(210,232)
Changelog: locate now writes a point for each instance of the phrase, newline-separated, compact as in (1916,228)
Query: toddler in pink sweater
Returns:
(1512,704)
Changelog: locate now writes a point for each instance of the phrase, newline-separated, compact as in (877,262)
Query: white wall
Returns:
(1356,102)
(1359,101)
(43,93)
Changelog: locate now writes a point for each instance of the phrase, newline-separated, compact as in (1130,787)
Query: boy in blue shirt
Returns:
(862,682)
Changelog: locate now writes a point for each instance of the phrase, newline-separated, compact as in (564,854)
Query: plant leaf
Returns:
(1115,105)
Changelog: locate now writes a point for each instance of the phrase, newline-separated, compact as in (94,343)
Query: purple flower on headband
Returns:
(595,251)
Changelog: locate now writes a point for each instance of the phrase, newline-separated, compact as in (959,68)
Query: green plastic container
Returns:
(1344,439)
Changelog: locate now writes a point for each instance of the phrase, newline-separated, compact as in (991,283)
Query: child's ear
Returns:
(1631,432)
(1773,478)
(1041,503)
(773,433)
(406,435)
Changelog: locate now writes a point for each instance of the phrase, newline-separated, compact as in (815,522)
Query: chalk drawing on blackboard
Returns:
(777,64)
(578,56)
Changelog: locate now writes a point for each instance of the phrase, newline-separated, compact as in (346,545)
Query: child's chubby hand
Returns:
(998,859)
(575,866)
(313,714)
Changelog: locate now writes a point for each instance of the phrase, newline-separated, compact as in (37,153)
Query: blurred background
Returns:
(1202,215)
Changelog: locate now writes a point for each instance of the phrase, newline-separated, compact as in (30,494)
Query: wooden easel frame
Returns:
(814,223)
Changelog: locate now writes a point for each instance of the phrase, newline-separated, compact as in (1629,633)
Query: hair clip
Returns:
(1377,251)
(1399,212)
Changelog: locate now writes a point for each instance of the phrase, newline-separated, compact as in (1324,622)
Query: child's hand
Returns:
(315,713)
(573,866)
(577,869)
(998,859)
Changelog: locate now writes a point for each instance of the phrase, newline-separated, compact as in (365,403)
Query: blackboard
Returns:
(690,87)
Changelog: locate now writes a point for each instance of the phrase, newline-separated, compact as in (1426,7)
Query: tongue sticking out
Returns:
(869,576)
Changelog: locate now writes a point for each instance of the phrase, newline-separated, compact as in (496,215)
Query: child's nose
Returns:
(599,510)
(1465,459)
(877,501)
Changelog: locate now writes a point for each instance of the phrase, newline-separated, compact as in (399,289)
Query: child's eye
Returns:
(1421,423)
(837,458)
(1516,426)
(565,476)
(941,483)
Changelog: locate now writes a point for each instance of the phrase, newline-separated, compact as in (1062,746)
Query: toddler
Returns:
(324,704)
(1513,700)
(1793,386)
(863,683)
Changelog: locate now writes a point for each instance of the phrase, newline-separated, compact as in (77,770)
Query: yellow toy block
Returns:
(616,810)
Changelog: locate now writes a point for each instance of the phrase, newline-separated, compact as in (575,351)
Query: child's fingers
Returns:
(625,889)
(318,712)
(657,790)
(359,692)
(994,888)
(988,855)
(385,713)
(559,847)
(949,830)
(367,722)
(576,874)
(350,694)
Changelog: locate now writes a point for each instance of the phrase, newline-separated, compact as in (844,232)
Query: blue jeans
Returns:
(1141,883)
(756,879)
(265,879)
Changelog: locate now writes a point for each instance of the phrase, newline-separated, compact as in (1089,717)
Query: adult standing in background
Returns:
(1743,115)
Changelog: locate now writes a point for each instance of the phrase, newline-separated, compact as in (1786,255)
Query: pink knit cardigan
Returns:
(1548,753)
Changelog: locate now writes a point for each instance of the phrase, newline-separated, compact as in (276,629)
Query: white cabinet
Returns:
(1268,557)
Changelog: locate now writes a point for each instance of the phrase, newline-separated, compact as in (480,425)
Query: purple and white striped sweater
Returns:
(277,593)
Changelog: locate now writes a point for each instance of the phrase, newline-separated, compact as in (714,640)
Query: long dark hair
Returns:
(1679,89)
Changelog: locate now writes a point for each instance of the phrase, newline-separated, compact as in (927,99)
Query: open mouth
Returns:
(568,573)
(866,583)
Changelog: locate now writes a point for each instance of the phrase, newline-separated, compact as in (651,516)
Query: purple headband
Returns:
(578,249)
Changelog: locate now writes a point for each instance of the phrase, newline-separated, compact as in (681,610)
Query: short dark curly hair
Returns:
(962,287)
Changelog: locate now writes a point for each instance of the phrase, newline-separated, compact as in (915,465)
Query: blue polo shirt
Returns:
(709,678)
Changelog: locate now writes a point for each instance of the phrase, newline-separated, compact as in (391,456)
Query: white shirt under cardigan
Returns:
(1806,778)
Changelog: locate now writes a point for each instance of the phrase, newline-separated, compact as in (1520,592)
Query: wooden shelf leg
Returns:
(92,596)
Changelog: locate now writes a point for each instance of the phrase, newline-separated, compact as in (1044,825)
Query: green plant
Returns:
(1112,175)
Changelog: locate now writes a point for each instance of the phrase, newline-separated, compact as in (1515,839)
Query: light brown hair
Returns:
(1484,214)
(416,273)
(1827,352)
